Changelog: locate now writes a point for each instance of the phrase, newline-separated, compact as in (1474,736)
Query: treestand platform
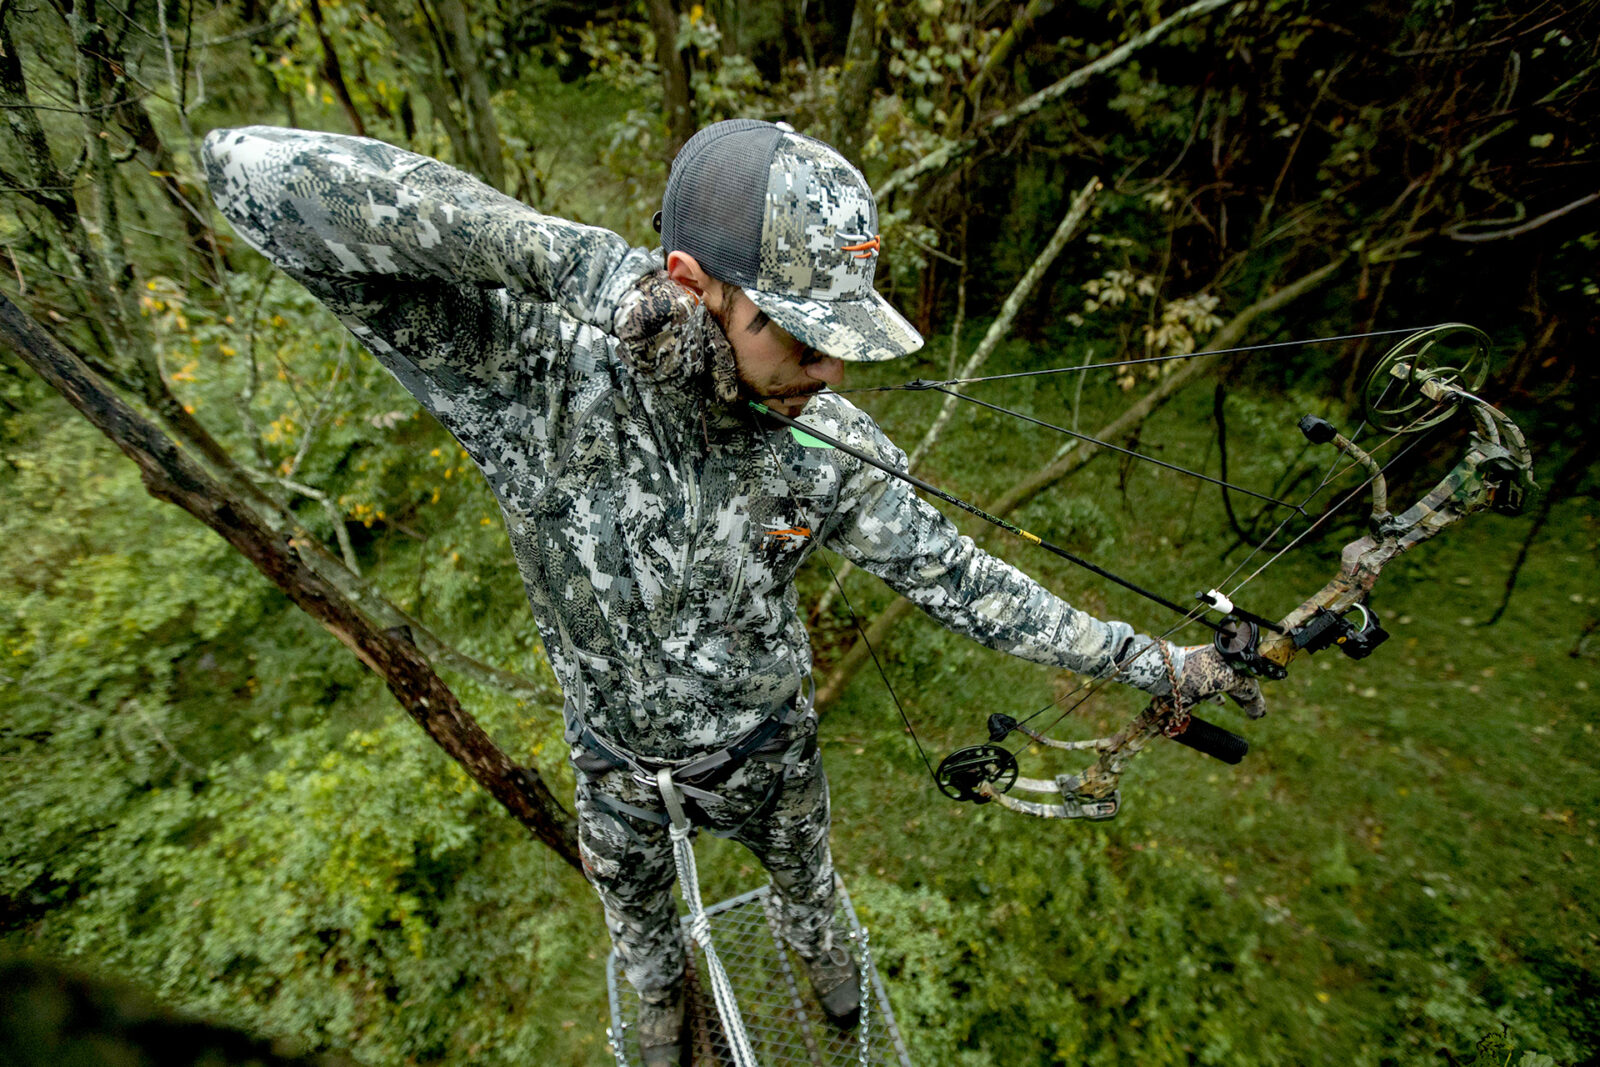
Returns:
(782,1019)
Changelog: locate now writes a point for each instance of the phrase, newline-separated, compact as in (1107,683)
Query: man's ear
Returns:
(685,270)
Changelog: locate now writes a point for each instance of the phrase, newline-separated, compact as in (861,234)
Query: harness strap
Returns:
(611,805)
(644,771)
(701,774)
(618,808)
(600,756)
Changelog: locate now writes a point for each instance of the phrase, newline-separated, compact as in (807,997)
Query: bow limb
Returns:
(1495,471)
(1072,806)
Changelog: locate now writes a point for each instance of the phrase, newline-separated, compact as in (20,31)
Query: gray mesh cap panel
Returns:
(712,208)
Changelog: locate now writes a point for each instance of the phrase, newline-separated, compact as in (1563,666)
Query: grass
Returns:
(1408,850)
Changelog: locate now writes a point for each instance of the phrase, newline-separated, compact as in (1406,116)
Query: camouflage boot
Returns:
(663,1039)
(836,980)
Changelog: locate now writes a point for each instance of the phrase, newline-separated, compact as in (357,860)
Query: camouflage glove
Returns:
(1206,674)
(667,334)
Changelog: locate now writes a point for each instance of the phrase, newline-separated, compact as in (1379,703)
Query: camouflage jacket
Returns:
(657,527)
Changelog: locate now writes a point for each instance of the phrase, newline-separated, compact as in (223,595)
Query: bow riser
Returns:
(1466,489)
(1101,778)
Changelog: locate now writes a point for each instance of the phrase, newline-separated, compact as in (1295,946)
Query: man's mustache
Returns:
(797,392)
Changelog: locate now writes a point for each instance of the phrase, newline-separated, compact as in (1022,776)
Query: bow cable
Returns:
(1116,448)
(1090,688)
(1320,519)
(1189,616)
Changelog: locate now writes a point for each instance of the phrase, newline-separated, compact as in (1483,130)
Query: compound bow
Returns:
(1418,384)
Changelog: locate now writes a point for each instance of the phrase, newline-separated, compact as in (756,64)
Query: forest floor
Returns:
(208,799)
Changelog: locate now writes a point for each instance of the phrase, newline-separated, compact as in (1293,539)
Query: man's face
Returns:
(774,368)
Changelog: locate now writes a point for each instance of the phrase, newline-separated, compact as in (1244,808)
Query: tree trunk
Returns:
(674,75)
(416,47)
(333,74)
(48,188)
(461,54)
(172,476)
(857,76)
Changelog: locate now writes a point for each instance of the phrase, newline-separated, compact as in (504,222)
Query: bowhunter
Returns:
(656,518)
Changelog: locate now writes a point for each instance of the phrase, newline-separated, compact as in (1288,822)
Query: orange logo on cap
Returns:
(865,250)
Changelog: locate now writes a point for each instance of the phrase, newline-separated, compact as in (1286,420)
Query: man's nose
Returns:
(829,369)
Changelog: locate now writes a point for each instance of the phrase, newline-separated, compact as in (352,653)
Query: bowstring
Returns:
(855,620)
(1091,439)
(920,384)
(1334,472)
(1091,688)
(1190,617)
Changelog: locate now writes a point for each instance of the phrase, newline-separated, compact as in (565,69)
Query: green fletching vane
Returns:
(805,440)
(801,438)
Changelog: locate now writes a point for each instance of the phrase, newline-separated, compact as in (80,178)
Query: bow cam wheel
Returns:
(964,771)
(1453,355)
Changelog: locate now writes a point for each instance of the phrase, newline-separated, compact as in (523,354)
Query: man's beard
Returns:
(748,390)
(728,380)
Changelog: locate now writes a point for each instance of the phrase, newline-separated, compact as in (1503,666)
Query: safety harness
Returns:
(697,779)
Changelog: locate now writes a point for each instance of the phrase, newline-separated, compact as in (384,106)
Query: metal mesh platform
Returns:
(781,1017)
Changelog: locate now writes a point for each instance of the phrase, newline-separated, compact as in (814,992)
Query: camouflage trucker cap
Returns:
(791,222)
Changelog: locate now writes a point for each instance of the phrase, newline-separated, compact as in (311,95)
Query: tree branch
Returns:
(170,475)
(1455,232)
(951,151)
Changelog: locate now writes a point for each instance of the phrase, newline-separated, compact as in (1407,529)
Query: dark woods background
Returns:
(208,799)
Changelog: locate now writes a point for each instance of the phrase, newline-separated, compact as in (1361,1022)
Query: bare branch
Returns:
(1001,325)
(1455,232)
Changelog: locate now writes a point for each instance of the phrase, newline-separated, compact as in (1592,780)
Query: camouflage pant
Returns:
(629,861)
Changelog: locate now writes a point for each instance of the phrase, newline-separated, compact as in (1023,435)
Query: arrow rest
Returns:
(1239,641)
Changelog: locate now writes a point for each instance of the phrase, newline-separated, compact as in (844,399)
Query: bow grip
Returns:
(1213,740)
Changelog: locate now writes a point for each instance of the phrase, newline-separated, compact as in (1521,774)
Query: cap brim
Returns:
(861,330)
